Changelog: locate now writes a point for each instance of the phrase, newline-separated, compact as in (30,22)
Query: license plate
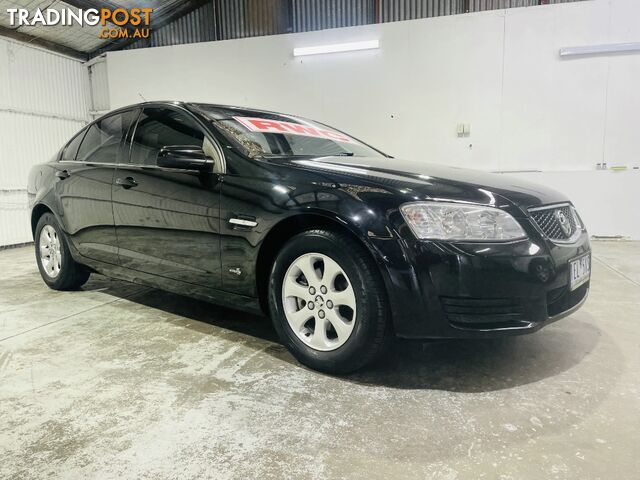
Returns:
(579,271)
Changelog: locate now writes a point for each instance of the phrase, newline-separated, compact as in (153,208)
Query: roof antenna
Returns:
(142,97)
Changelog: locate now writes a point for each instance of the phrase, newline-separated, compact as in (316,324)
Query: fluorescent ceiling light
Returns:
(597,49)
(336,48)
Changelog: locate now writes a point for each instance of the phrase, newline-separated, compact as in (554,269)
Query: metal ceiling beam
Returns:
(42,43)
(159,18)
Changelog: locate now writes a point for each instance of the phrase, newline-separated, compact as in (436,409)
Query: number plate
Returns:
(579,271)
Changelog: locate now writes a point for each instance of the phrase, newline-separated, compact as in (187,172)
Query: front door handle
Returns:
(62,174)
(128,182)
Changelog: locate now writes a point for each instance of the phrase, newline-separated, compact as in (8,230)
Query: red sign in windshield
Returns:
(264,125)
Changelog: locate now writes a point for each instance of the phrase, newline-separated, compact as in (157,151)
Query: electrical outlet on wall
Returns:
(464,129)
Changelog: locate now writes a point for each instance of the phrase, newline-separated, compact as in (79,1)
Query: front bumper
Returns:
(465,290)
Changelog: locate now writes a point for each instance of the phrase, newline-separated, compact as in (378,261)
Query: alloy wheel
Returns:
(319,301)
(50,251)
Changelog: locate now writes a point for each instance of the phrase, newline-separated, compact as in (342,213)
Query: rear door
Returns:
(168,220)
(85,175)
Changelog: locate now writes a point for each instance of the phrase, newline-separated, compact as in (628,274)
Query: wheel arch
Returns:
(287,228)
(37,212)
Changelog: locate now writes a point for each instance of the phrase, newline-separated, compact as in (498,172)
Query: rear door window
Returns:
(103,140)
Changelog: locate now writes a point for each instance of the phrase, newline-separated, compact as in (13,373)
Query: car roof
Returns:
(214,110)
(226,111)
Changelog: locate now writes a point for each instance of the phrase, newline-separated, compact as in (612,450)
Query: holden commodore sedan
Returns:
(342,245)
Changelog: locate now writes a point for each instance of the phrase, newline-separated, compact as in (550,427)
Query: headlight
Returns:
(452,221)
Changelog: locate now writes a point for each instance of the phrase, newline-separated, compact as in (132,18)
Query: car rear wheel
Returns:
(328,302)
(57,268)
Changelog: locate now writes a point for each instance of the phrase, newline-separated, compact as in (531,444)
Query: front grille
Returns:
(552,220)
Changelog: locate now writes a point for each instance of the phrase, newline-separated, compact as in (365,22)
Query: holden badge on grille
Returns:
(563,221)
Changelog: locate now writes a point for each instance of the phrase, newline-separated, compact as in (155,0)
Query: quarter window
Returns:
(71,150)
(103,140)
(161,127)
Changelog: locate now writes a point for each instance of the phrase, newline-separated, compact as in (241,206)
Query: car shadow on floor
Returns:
(187,308)
(481,365)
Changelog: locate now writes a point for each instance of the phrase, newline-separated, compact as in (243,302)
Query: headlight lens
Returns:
(452,221)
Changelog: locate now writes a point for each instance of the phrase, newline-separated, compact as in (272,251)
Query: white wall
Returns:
(607,200)
(99,86)
(43,101)
(499,70)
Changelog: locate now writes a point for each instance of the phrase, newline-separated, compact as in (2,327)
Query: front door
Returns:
(167,220)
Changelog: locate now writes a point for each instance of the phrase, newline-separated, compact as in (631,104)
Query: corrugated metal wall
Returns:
(252,18)
(479,5)
(393,11)
(227,19)
(13,215)
(196,26)
(44,99)
(223,20)
(99,83)
(321,14)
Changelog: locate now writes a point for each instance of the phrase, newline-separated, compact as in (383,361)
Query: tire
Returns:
(352,337)
(57,267)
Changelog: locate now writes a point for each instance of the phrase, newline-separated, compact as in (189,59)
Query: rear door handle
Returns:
(62,174)
(128,182)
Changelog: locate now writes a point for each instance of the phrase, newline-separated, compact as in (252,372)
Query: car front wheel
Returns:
(328,302)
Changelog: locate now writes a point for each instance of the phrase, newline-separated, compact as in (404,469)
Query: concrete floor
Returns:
(124,381)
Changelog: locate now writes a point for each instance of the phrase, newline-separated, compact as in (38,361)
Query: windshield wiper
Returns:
(345,154)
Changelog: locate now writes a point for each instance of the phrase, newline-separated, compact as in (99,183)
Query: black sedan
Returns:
(342,245)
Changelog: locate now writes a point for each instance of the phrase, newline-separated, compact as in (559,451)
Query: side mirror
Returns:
(183,157)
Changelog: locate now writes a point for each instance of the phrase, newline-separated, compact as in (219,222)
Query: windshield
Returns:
(270,135)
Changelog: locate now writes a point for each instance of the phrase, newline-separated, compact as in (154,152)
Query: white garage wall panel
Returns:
(44,99)
(607,200)
(99,87)
(499,71)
